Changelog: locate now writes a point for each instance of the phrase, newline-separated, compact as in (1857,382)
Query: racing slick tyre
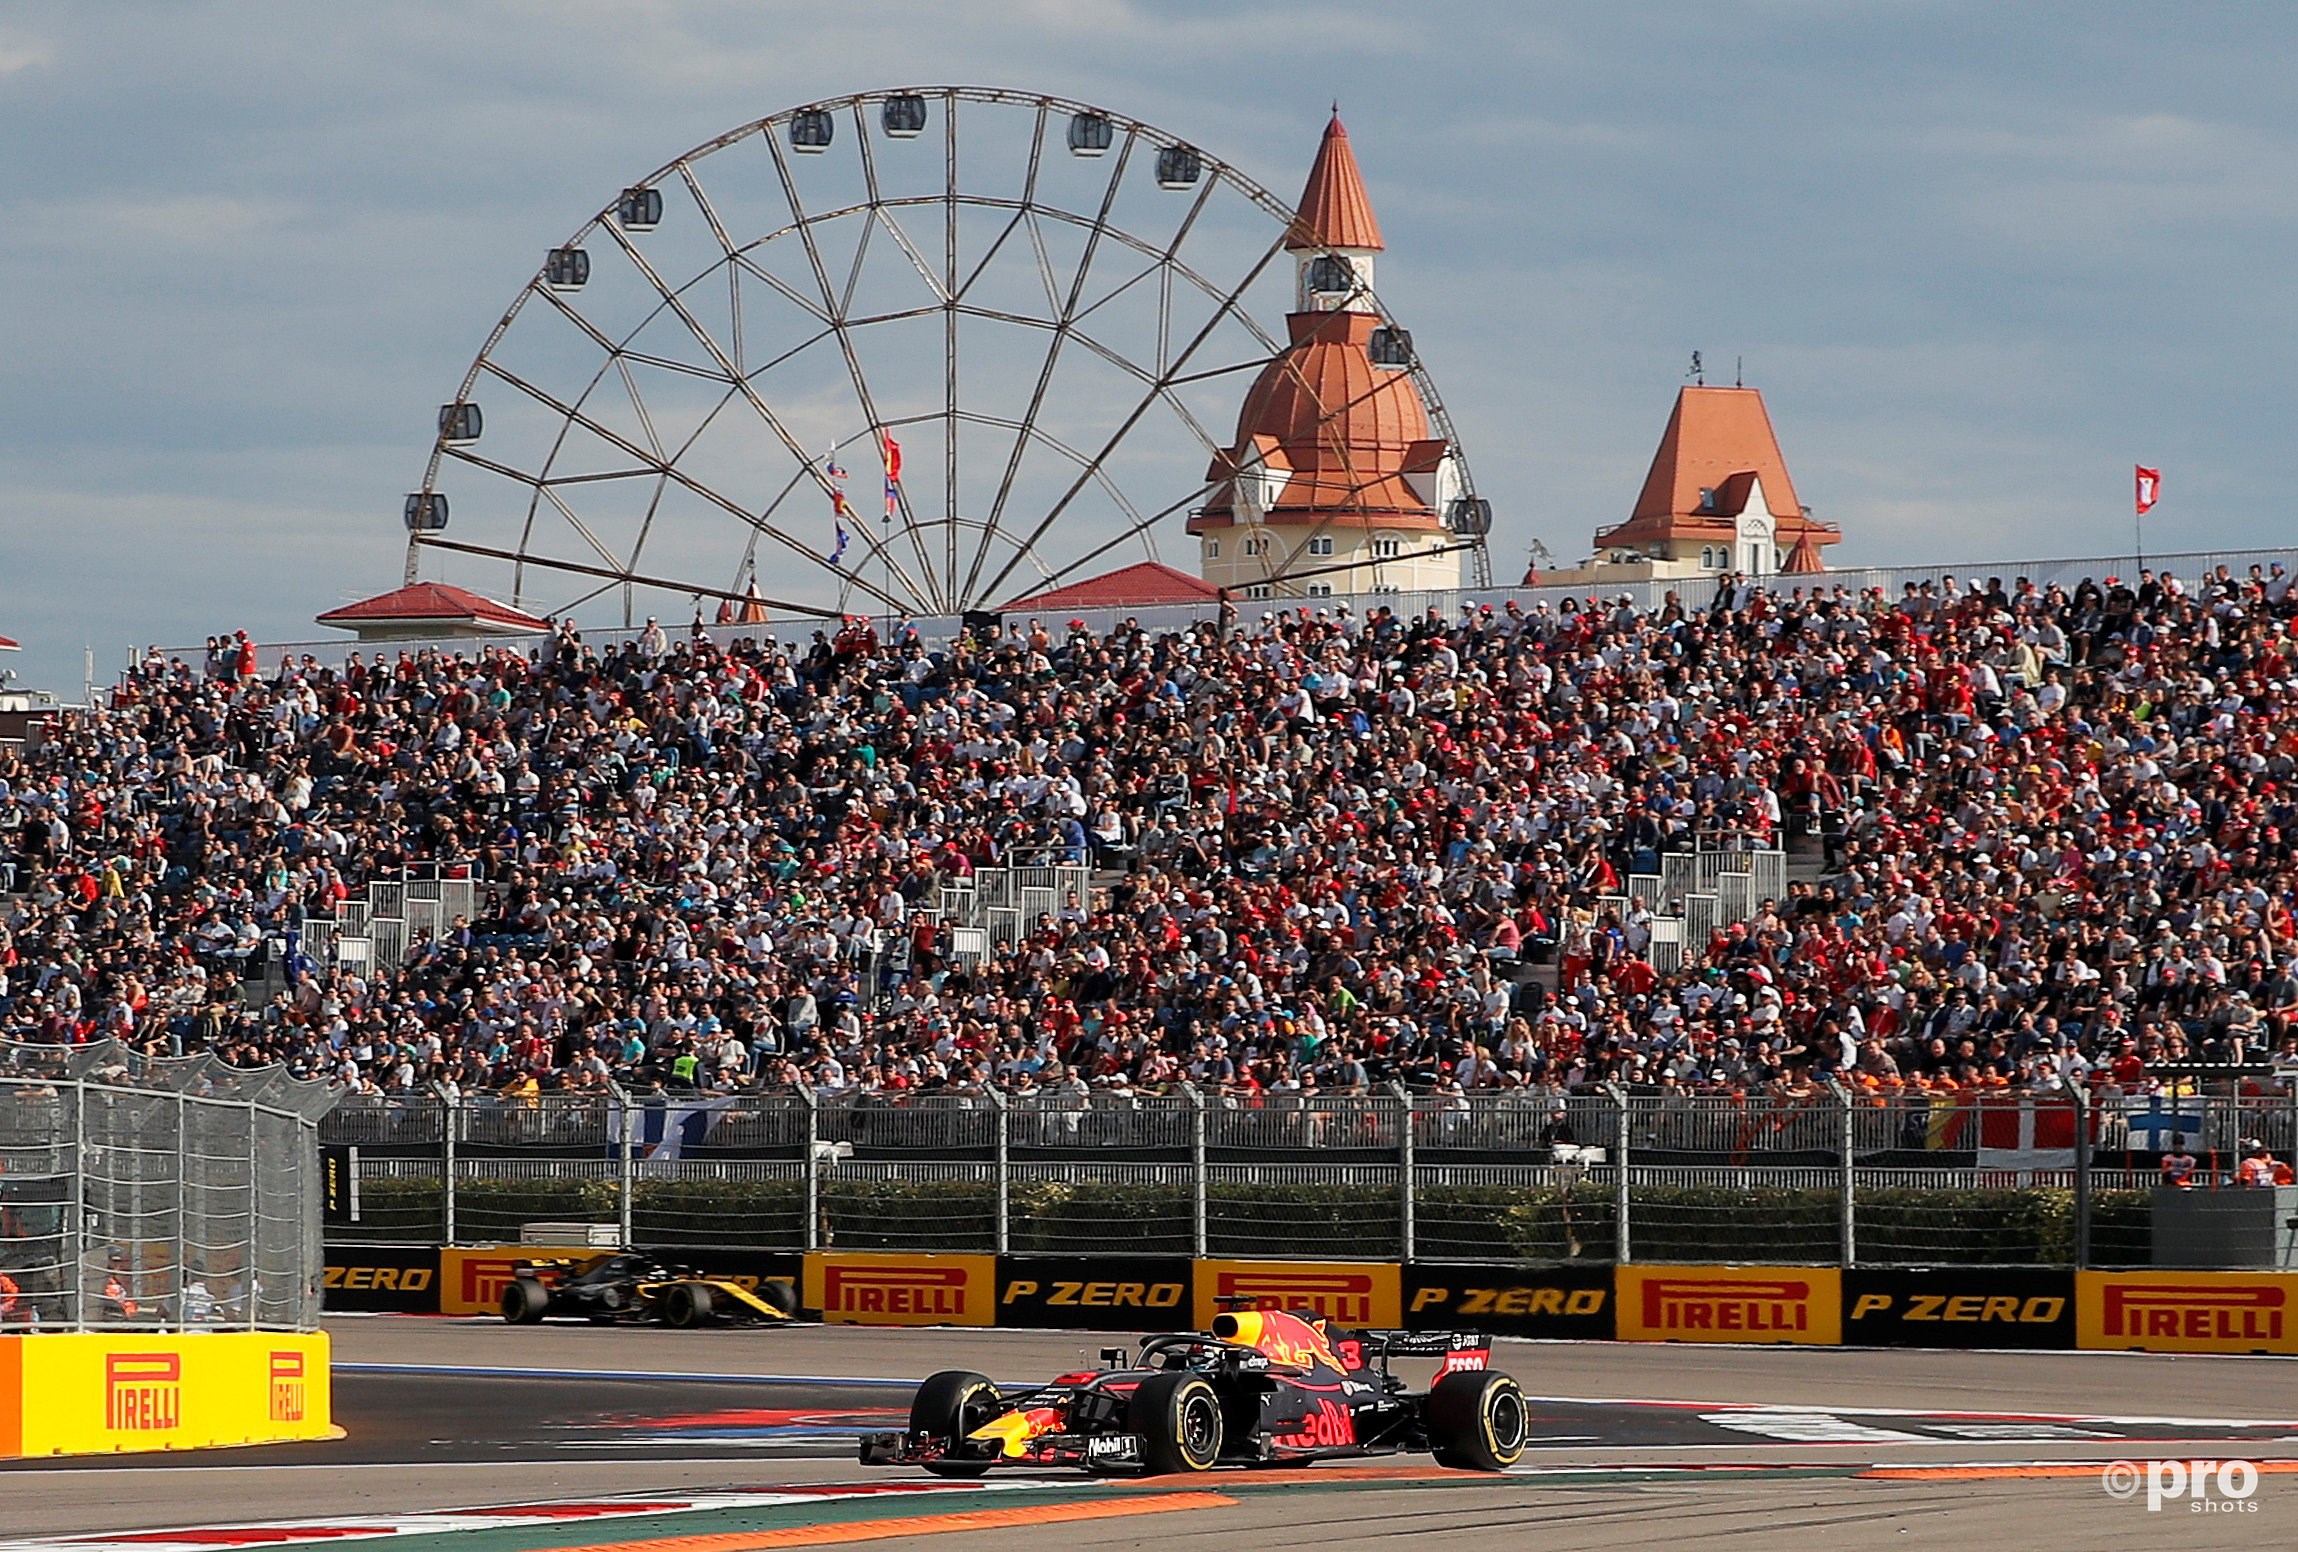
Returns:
(951,1405)
(524,1301)
(1476,1421)
(686,1305)
(1179,1419)
(777,1293)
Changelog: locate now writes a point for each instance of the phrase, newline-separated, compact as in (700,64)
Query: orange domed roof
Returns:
(1347,430)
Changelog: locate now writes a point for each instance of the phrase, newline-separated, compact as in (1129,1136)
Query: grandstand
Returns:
(2040,836)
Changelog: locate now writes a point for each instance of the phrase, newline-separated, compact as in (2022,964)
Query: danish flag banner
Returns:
(2149,488)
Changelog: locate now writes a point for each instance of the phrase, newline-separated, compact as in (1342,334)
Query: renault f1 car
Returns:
(1265,1388)
(626,1286)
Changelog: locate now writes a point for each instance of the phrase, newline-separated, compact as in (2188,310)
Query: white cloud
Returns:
(19,54)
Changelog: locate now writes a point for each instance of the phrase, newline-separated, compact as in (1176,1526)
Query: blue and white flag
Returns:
(667,1128)
(2155,1119)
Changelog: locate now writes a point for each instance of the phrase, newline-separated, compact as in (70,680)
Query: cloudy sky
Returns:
(1979,257)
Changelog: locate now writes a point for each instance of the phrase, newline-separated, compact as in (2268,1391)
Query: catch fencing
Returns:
(1593,1175)
(156,1195)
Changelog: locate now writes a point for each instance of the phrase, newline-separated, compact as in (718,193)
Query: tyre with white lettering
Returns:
(524,1301)
(1476,1421)
(947,1408)
(1179,1419)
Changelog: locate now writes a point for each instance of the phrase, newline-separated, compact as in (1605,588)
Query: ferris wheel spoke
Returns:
(678,476)
(930,596)
(581,528)
(950,347)
(1064,309)
(1141,407)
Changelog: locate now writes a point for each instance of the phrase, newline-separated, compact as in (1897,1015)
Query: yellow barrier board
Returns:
(1798,1304)
(1348,1293)
(471,1282)
(82,1393)
(2187,1312)
(864,1289)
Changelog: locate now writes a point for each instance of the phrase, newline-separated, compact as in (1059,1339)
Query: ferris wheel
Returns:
(919,350)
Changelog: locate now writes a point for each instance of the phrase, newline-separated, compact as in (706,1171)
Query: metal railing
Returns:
(1603,1174)
(170,1196)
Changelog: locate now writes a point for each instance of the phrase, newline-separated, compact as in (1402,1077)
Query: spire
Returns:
(1335,211)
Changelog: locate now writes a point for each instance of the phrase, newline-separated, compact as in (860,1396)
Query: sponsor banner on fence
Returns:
(872,1289)
(2188,1312)
(382,1279)
(1801,1304)
(1094,1293)
(1554,1301)
(77,1393)
(1348,1293)
(1971,1306)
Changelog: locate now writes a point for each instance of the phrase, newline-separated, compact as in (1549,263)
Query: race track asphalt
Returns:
(1634,1445)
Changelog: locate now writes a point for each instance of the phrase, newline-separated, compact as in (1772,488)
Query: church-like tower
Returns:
(1333,484)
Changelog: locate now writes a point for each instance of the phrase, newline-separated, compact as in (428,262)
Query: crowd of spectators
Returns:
(2053,838)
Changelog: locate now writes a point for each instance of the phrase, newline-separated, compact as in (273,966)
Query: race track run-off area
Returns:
(473,1437)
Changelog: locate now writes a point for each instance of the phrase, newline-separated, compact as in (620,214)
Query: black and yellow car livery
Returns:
(615,1287)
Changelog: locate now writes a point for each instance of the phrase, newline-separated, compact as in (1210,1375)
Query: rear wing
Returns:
(1460,1350)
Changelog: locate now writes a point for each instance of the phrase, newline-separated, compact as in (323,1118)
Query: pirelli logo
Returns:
(143,1392)
(2187,1312)
(471,1282)
(286,1398)
(902,1290)
(1731,1304)
(1345,1293)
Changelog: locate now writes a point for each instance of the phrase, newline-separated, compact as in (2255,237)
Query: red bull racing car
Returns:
(1265,1388)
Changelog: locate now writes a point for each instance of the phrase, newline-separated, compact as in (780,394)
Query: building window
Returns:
(1321,545)
(1256,546)
(1257,590)
(1320,590)
(1212,549)
(1386,549)
(1707,557)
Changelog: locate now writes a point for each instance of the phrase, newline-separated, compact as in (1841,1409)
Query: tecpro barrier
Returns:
(1793,1304)
(1573,1302)
(1095,1293)
(1958,1306)
(83,1393)
(866,1289)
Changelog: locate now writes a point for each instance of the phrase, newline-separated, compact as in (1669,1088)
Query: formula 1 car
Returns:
(620,1286)
(1266,1388)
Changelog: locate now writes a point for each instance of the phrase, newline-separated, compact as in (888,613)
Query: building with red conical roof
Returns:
(1334,482)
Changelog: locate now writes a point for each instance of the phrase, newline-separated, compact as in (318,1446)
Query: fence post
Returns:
(183,1238)
(2082,1100)
(254,1252)
(450,1105)
(811,1236)
(626,1172)
(1626,1251)
(1196,1170)
(1004,1130)
(1847,1230)
(1404,1169)
(79,1205)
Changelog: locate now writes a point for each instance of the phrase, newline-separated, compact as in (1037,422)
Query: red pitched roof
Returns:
(1803,560)
(1335,210)
(434,601)
(1128,587)
(8,645)
(1716,439)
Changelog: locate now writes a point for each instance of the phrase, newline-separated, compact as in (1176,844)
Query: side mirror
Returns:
(1113,1357)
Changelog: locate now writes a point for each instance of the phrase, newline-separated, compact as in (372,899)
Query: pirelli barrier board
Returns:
(1802,1305)
(1552,1302)
(1974,1307)
(89,1393)
(886,1289)
(1095,1293)
(382,1279)
(1967,1307)
(2187,1312)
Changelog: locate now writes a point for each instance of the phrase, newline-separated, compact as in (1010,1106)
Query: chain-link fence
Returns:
(1598,1175)
(156,1195)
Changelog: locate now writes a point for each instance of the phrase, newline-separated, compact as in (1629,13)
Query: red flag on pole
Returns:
(2149,486)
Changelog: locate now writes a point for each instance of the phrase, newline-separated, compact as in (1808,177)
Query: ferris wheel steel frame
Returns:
(958,582)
